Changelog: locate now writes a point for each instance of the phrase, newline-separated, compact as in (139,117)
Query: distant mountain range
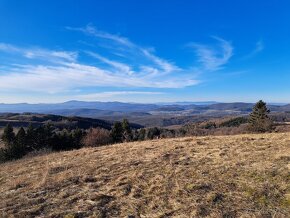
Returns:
(119,108)
(143,114)
(107,106)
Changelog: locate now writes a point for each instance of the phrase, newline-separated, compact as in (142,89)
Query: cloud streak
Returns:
(258,48)
(39,53)
(213,58)
(100,95)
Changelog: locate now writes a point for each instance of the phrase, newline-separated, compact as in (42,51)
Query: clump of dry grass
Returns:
(213,176)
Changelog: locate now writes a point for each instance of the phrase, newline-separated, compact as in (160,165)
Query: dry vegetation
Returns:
(212,176)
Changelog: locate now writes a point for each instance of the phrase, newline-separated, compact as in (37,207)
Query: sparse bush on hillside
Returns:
(97,137)
(167,133)
(153,133)
(141,134)
(259,120)
(193,129)
(209,125)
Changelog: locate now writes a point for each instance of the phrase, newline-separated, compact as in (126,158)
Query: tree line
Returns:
(49,137)
(35,139)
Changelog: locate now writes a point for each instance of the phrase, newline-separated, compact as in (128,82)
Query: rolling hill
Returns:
(225,176)
(25,119)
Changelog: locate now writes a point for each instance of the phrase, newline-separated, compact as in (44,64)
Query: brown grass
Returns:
(214,176)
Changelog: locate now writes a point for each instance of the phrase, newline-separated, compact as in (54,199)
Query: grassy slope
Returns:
(226,176)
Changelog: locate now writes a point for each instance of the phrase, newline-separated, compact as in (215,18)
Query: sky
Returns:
(144,51)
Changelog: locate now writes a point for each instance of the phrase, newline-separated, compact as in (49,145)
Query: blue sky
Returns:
(144,51)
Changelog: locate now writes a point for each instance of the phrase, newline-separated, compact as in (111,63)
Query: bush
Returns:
(97,137)
(141,134)
(153,133)
(209,125)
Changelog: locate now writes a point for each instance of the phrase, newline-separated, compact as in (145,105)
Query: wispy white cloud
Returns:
(259,47)
(123,47)
(70,76)
(213,57)
(121,67)
(101,95)
(91,30)
(39,53)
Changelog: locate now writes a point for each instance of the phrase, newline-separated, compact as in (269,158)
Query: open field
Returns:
(214,176)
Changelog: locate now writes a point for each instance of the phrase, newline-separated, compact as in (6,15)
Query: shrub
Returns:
(209,125)
(153,133)
(141,134)
(97,137)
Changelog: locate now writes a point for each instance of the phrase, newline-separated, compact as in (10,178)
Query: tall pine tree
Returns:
(8,136)
(117,132)
(259,120)
(19,147)
(127,132)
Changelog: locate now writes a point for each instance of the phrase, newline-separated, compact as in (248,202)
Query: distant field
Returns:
(214,176)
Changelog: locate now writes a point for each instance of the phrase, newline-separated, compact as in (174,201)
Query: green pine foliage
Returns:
(259,120)
(234,122)
(127,131)
(8,136)
(35,139)
(117,132)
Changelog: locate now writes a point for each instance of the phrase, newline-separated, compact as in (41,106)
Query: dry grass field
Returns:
(216,176)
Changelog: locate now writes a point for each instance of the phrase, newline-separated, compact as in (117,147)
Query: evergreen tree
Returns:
(77,137)
(14,145)
(19,147)
(127,132)
(21,137)
(259,120)
(30,138)
(117,132)
(141,134)
(8,136)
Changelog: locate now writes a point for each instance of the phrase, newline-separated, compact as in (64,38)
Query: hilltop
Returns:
(214,176)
